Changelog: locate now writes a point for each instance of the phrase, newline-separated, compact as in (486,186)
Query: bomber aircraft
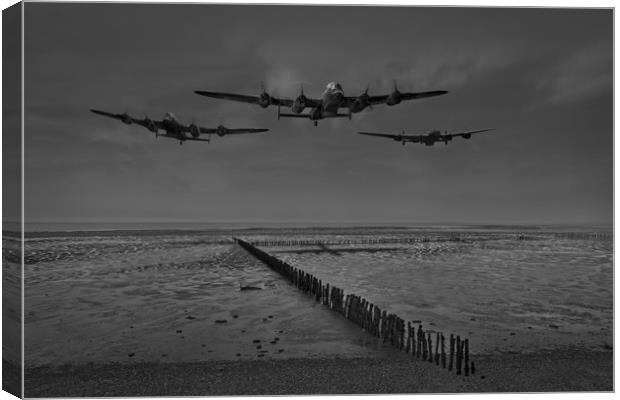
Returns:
(328,105)
(429,138)
(174,129)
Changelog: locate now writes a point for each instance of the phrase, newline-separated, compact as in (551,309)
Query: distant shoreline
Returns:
(565,371)
(172,228)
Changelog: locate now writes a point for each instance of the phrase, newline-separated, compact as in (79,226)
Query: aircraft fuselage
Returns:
(432,137)
(331,101)
(173,128)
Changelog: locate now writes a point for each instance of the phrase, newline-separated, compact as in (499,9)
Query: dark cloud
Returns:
(541,76)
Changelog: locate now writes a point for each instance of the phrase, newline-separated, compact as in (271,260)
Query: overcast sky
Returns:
(543,78)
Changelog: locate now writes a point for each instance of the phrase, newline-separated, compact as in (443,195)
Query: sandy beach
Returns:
(11,313)
(172,313)
(394,373)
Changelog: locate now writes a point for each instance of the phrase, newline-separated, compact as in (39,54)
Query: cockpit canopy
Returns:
(334,87)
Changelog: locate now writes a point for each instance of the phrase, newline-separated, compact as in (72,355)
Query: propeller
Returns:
(302,96)
(194,130)
(395,87)
(366,98)
(264,97)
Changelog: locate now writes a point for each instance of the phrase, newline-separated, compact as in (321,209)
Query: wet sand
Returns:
(573,371)
(167,300)
(11,315)
(502,293)
(164,314)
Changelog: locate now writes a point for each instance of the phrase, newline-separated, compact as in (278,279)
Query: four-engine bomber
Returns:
(327,106)
(429,138)
(175,130)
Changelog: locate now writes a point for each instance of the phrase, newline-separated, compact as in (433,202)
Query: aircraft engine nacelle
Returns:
(299,105)
(467,136)
(194,130)
(150,125)
(264,100)
(393,98)
(126,119)
(221,130)
(358,105)
(355,107)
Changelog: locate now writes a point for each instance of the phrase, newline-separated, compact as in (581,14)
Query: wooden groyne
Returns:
(387,327)
(427,239)
(585,235)
(344,242)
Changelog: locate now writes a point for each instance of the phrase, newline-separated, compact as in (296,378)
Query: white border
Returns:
(457,3)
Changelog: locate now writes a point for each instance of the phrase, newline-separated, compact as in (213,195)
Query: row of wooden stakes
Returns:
(584,235)
(386,326)
(338,242)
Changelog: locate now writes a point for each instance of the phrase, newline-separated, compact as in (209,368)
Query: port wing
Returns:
(126,118)
(244,98)
(232,131)
(468,133)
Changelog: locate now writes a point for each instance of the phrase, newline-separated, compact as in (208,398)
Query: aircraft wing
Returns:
(467,133)
(409,138)
(124,117)
(244,130)
(385,135)
(293,115)
(197,139)
(232,131)
(403,96)
(244,98)
(119,117)
(338,115)
(107,114)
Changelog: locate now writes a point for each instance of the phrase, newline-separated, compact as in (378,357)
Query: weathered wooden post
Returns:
(443,351)
(424,346)
(405,336)
(437,348)
(408,346)
(430,348)
(420,340)
(327,299)
(459,353)
(451,363)
(413,341)
(466,357)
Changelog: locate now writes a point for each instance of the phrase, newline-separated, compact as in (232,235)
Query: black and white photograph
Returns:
(206,199)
